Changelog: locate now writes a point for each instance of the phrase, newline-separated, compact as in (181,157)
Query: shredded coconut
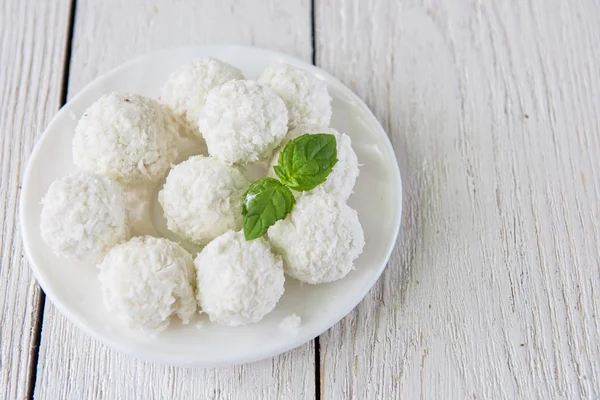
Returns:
(202,199)
(126,137)
(319,240)
(146,280)
(83,216)
(242,121)
(305,96)
(342,178)
(186,90)
(290,324)
(239,281)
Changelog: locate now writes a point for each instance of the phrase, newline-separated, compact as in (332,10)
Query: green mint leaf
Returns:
(307,161)
(265,202)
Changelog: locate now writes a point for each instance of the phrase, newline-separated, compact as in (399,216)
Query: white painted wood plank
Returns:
(108,33)
(493,291)
(32,48)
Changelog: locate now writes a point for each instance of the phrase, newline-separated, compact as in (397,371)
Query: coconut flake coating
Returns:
(243,121)
(147,280)
(126,137)
(186,89)
(239,281)
(83,216)
(305,96)
(319,240)
(342,178)
(202,198)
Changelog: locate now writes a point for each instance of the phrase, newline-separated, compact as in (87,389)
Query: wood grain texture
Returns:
(493,291)
(108,33)
(32,48)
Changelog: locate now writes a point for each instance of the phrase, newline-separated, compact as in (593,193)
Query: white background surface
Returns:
(493,290)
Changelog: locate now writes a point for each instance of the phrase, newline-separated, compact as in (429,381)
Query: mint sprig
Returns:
(265,202)
(307,161)
(304,163)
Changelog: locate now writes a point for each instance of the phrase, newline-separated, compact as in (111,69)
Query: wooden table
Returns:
(493,290)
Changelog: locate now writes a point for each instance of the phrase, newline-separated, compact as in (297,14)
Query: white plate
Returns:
(73,286)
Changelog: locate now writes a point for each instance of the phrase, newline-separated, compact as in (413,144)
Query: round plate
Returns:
(74,288)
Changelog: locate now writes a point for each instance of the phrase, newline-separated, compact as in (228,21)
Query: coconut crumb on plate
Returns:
(291,323)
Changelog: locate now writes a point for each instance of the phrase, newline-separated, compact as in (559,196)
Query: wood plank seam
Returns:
(37,328)
(317,346)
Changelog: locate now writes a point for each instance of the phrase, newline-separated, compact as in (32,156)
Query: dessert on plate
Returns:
(291,223)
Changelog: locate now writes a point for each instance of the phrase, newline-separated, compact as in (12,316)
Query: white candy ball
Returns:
(242,121)
(319,240)
(126,137)
(202,198)
(83,216)
(186,89)
(239,281)
(305,96)
(147,280)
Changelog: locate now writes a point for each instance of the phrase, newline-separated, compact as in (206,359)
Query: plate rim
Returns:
(164,358)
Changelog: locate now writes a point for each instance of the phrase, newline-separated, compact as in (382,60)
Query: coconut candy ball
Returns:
(242,121)
(342,178)
(186,89)
(83,216)
(126,137)
(305,96)
(239,281)
(319,240)
(147,280)
(202,198)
